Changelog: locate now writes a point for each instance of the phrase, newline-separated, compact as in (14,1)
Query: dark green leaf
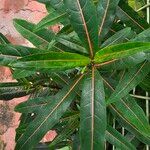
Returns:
(9,53)
(40,39)
(12,90)
(132,78)
(56,4)
(51,19)
(126,14)
(119,141)
(127,123)
(33,105)
(145,83)
(20,73)
(65,133)
(48,117)
(106,13)
(84,21)
(93,112)
(119,37)
(72,44)
(120,51)
(53,60)
(143,36)
(3,39)
(130,116)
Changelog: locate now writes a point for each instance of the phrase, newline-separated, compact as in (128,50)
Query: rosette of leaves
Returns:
(80,79)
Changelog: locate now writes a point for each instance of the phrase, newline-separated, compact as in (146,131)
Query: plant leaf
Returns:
(65,40)
(20,73)
(48,117)
(56,4)
(3,39)
(145,83)
(51,19)
(93,113)
(84,21)
(9,53)
(53,60)
(135,59)
(126,14)
(132,78)
(33,105)
(12,90)
(65,133)
(119,141)
(127,124)
(106,11)
(40,39)
(120,51)
(143,36)
(119,37)
(130,116)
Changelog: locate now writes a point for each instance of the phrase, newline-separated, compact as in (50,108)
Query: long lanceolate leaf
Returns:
(84,20)
(120,51)
(130,80)
(65,133)
(12,90)
(106,14)
(143,36)
(119,37)
(93,113)
(33,105)
(118,140)
(126,14)
(51,19)
(48,117)
(3,39)
(9,53)
(52,61)
(40,39)
(70,43)
(131,116)
(55,4)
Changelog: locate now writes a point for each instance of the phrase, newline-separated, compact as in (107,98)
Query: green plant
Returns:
(80,78)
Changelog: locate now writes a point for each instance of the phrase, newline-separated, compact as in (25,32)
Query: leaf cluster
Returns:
(81,78)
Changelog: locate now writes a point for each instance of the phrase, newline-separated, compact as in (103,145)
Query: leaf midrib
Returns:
(92,107)
(32,33)
(41,24)
(126,105)
(132,78)
(70,90)
(86,30)
(131,18)
(105,14)
(116,139)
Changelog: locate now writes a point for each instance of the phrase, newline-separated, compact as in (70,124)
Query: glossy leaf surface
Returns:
(119,37)
(115,138)
(10,53)
(93,112)
(48,117)
(106,11)
(40,39)
(126,14)
(51,19)
(52,60)
(120,51)
(3,39)
(12,90)
(130,80)
(84,21)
